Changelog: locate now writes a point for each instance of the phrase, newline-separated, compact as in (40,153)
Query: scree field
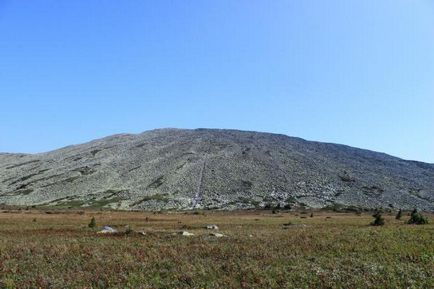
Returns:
(57,249)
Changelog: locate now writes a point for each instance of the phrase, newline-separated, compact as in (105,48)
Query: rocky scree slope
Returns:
(213,169)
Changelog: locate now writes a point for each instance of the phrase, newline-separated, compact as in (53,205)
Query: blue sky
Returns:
(354,72)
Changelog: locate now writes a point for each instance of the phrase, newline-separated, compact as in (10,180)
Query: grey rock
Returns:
(218,235)
(213,169)
(107,230)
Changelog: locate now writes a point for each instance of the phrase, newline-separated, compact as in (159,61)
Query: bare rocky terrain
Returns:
(213,169)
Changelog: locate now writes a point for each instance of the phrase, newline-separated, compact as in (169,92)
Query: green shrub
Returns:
(129,231)
(378,221)
(92,223)
(417,218)
(399,215)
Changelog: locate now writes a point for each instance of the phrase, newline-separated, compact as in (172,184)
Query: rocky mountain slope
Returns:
(215,169)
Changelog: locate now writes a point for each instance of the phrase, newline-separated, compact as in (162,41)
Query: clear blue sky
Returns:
(354,72)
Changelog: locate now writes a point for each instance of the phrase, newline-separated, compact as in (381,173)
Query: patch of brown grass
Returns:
(330,250)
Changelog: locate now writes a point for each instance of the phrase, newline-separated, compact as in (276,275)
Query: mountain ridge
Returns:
(216,129)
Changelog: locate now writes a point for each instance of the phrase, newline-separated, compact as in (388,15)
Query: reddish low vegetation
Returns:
(259,249)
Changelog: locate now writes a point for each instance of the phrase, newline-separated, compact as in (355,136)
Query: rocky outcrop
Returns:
(214,169)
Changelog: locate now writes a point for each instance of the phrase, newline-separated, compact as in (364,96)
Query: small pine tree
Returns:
(399,215)
(92,223)
(417,218)
(378,221)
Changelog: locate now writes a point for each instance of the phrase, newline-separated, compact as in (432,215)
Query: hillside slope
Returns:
(207,168)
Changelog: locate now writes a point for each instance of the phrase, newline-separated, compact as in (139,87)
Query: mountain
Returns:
(214,169)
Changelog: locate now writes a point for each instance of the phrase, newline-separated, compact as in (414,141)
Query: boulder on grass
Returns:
(107,230)
(212,227)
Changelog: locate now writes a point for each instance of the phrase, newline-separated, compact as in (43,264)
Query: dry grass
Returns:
(330,250)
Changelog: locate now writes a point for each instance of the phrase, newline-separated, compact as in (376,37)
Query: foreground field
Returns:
(57,250)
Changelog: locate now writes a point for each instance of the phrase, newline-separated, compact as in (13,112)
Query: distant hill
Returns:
(214,169)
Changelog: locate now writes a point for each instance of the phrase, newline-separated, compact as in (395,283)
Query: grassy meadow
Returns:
(57,249)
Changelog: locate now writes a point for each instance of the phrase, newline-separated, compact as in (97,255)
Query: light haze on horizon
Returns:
(359,73)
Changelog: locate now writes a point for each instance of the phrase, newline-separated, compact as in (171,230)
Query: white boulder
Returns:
(218,235)
(107,230)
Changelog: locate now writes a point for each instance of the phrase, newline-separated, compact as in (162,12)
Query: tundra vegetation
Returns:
(399,215)
(258,250)
(92,223)
(378,219)
(417,218)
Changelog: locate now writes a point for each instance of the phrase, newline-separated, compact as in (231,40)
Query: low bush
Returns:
(378,221)
(417,218)
(399,215)
(92,223)
(129,231)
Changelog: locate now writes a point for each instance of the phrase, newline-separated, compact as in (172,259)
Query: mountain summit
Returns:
(213,169)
